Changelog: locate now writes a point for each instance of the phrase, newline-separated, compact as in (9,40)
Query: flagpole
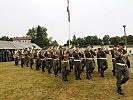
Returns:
(68,11)
(124,26)
(69,32)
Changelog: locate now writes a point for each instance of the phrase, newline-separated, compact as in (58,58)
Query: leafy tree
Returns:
(6,38)
(106,39)
(40,37)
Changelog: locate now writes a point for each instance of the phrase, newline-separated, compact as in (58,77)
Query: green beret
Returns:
(122,43)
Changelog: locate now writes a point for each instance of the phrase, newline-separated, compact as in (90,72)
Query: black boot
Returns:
(120,91)
(102,74)
(79,77)
(66,78)
(88,77)
(90,74)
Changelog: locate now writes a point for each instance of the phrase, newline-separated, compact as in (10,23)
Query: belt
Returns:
(56,59)
(42,59)
(82,58)
(101,58)
(71,57)
(48,58)
(64,61)
(90,58)
(121,64)
(77,60)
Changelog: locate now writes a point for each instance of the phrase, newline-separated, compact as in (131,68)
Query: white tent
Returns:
(16,45)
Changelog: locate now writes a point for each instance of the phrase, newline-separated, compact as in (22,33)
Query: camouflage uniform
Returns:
(102,61)
(121,69)
(38,60)
(56,64)
(89,63)
(16,57)
(31,58)
(22,58)
(43,60)
(65,65)
(49,61)
(113,61)
(77,64)
(26,58)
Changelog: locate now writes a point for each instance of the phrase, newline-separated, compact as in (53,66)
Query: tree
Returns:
(6,38)
(129,39)
(40,37)
(106,39)
(115,40)
(74,40)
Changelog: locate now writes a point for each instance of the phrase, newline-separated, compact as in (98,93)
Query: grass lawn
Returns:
(26,84)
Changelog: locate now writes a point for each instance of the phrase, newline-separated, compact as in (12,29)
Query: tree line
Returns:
(94,40)
(39,36)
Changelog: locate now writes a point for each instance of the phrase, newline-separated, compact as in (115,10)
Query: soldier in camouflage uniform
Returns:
(98,60)
(26,57)
(15,56)
(31,57)
(38,60)
(43,60)
(65,64)
(121,68)
(113,58)
(56,62)
(22,57)
(71,60)
(102,59)
(77,63)
(49,60)
(89,62)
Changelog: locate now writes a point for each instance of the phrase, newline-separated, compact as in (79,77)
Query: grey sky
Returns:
(88,17)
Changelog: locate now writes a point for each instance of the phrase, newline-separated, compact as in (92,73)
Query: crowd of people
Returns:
(6,55)
(63,59)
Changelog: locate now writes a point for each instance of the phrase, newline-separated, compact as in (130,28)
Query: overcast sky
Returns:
(88,17)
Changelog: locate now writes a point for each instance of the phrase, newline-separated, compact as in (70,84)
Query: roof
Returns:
(16,45)
(22,38)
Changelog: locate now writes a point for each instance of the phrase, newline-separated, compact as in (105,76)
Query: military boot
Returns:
(119,90)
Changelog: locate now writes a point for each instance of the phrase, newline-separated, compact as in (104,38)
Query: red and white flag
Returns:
(68,10)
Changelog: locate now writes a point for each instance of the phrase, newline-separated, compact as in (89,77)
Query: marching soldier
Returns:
(26,57)
(93,52)
(65,64)
(43,61)
(71,60)
(77,63)
(89,62)
(98,60)
(38,60)
(82,59)
(102,59)
(22,57)
(31,57)
(55,62)
(113,58)
(15,56)
(60,57)
(121,69)
(49,60)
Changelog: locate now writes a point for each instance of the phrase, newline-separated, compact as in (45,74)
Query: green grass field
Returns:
(18,83)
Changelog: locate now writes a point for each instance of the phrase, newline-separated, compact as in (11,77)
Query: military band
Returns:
(63,59)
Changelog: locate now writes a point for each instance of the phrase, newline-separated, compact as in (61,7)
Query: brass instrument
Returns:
(121,54)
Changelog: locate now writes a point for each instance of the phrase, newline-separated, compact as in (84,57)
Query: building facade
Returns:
(23,39)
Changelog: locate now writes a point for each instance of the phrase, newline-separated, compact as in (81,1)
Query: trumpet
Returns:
(120,54)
